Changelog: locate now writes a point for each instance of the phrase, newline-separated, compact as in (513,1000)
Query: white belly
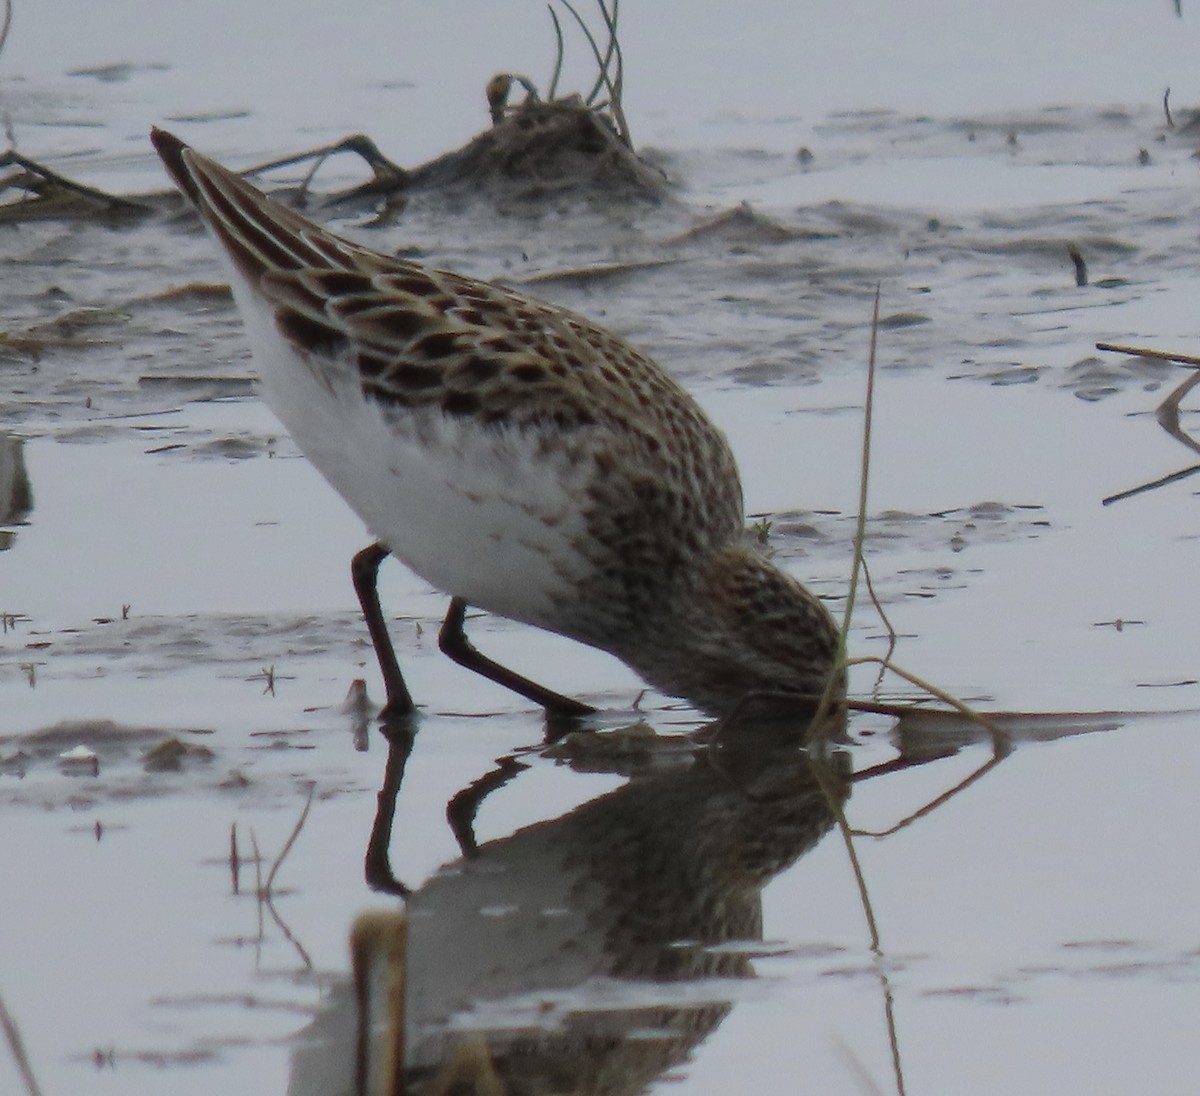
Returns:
(477,512)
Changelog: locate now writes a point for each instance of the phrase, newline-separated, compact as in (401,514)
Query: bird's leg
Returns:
(454,643)
(364,570)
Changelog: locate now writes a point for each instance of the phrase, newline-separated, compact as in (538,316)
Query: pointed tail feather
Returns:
(260,235)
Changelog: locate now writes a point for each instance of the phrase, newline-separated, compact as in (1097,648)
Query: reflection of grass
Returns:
(1167,415)
(264,890)
(830,701)
(4,29)
(12,1036)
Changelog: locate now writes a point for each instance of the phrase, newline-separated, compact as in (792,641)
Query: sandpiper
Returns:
(515,456)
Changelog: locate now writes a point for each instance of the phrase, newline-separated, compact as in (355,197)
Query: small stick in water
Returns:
(1081,277)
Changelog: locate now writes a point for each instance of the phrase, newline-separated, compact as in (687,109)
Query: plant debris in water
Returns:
(574,147)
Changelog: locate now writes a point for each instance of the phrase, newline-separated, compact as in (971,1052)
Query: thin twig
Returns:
(891,632)
(7,24)
(936,802)
(602,78)
(864,896)
(360,144)
(851,1061)
(1001,747)
(264,890)
(889,1013)
(1167,416)
(306,182)
(288,935)
(828,699)
(864,478)
(1001,739)
(1142,488)
(860,879)
(258,883)
(32,167)
(600,81)
(12,1034)
(1081,270)
(614,44)
(616,86)
(896,710)
(1144,352)
(836,803)
(235,858)
(602,63)
(287,847)
(558,58)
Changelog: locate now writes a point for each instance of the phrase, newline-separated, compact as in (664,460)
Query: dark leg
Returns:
(454,643)
(364,569)
(378,866)
(461,810)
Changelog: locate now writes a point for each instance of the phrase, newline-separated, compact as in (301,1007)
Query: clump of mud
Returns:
(542,151)
(538,154)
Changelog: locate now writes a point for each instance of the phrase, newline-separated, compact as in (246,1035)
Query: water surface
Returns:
(173,570)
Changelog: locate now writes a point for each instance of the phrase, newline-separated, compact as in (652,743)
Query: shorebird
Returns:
(517,457)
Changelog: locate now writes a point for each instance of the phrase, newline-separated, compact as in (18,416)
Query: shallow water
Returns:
(171,569)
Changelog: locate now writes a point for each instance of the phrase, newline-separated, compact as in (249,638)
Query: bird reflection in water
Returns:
(16,496)
(584,953)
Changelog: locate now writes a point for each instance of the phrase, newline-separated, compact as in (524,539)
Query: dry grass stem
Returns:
(854,1064)
(1001,747)
(1142,488)
(834,800)
(1145,352)
(558,53)
(937,802)
(12,1034)
(1166,415)
(604,61)
(892,638)
(287,846)
(258,882)
(602,75)
(235,858)
(864,480)
(12,158)
(1000,737)
(1077,260)
(868,908)
(4,29)
(264,890)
